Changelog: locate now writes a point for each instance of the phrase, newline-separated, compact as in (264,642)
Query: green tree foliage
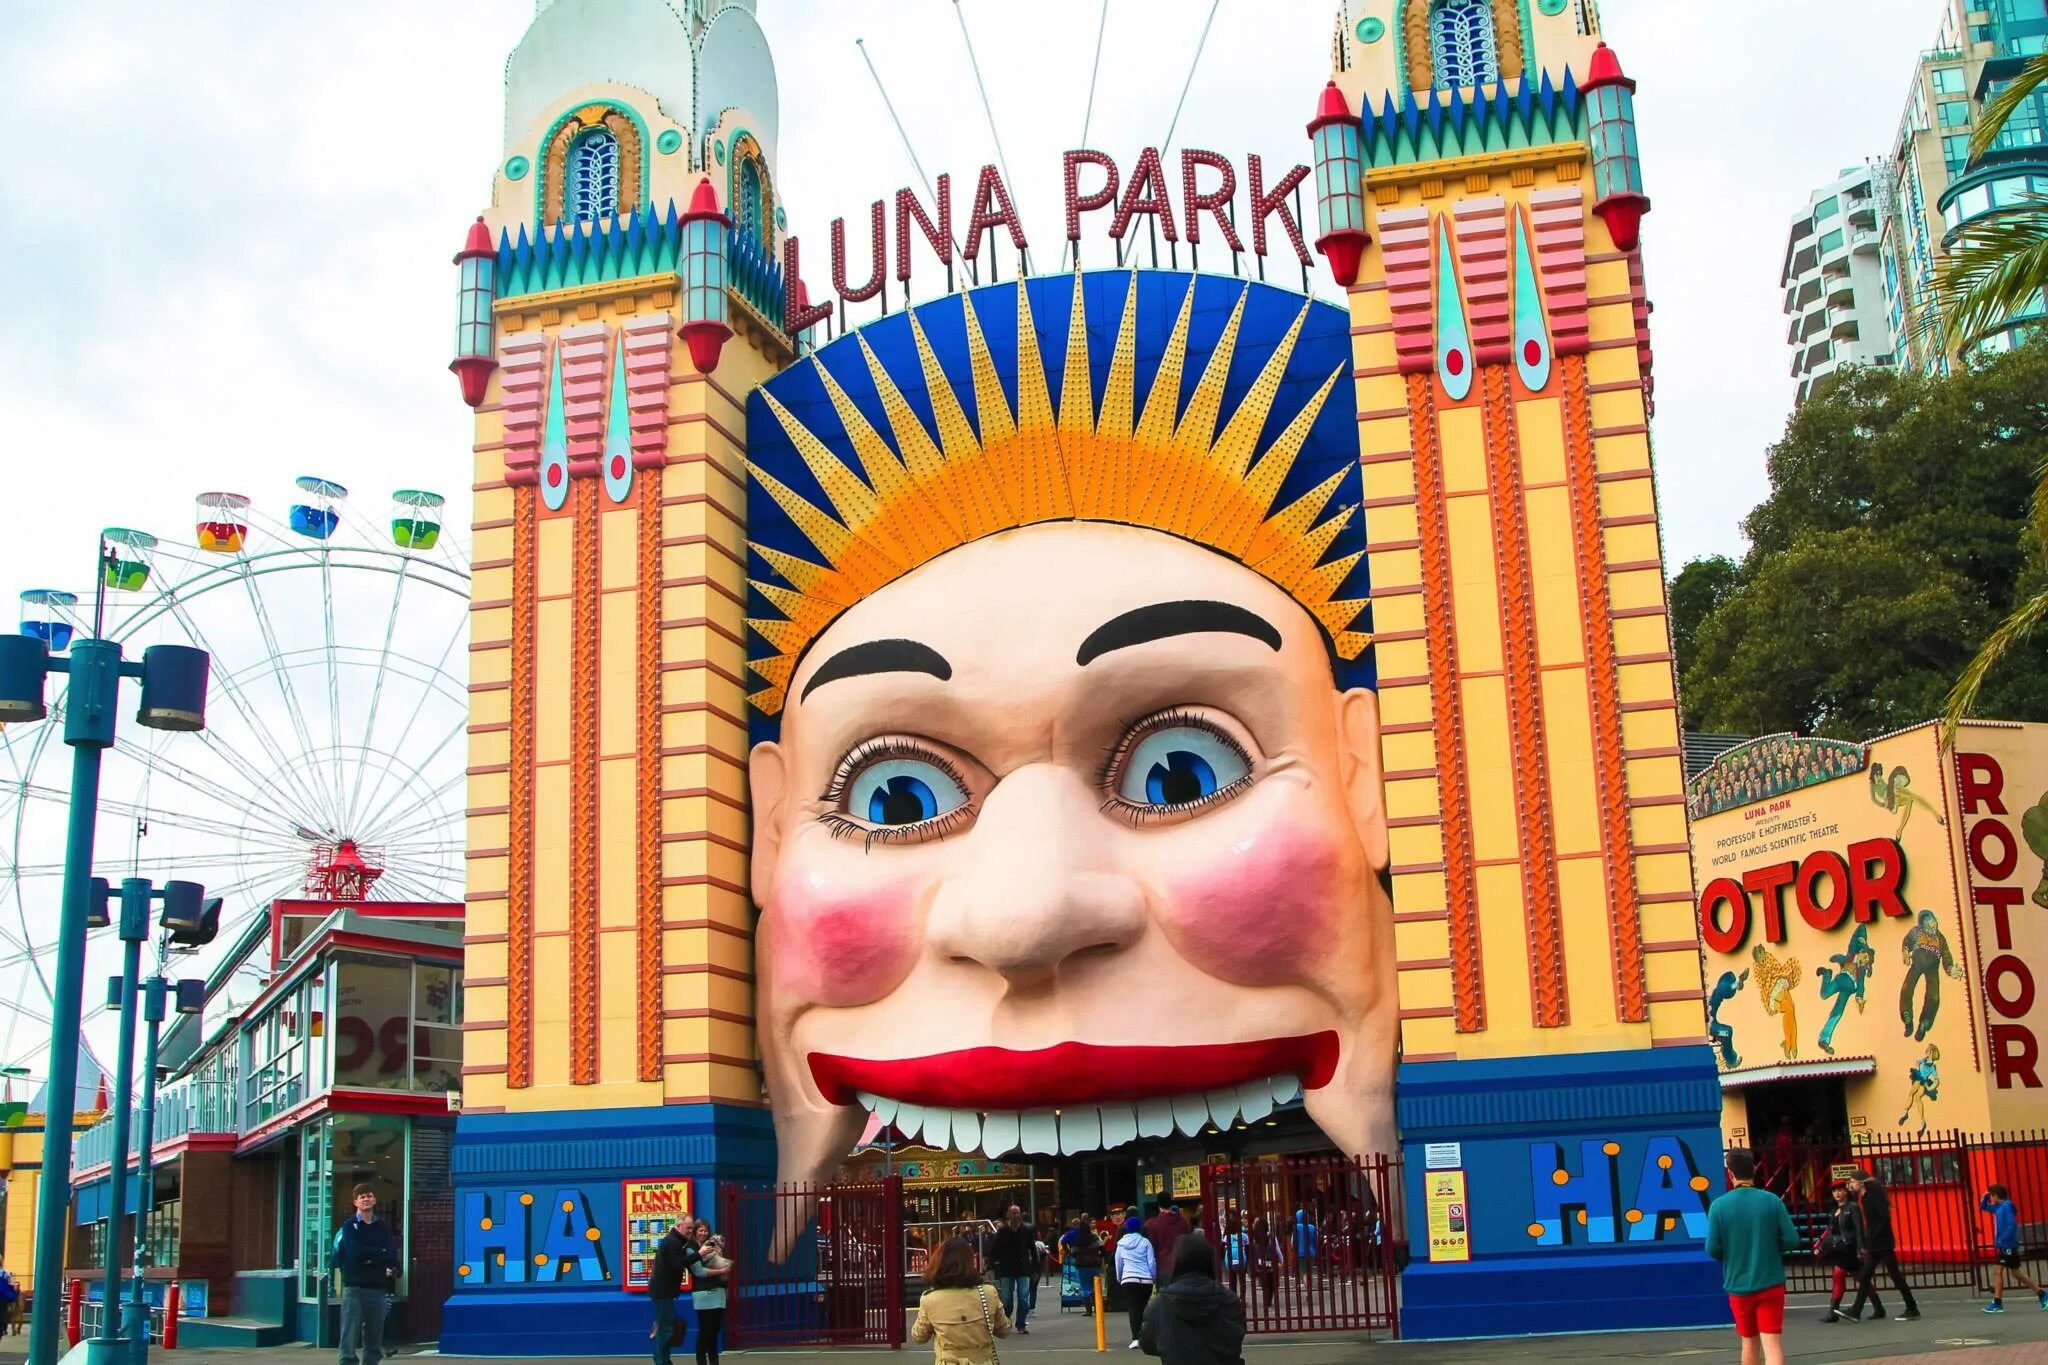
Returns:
(1895,537)
(1701,586)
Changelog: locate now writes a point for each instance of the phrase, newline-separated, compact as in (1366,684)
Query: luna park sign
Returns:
(1145,193)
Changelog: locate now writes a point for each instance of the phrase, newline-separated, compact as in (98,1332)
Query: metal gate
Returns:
(1309,1244)
(814,1265)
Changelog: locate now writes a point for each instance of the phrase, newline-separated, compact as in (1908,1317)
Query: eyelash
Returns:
(843,826)
(1132,735)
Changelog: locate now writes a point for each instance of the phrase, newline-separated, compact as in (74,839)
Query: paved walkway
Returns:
(1954,1332)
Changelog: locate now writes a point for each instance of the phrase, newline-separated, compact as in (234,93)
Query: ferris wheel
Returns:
(334,757)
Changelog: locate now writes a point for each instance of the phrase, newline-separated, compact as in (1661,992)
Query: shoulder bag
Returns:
(988,1321)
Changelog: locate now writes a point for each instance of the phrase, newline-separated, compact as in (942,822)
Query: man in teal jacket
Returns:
(1749,1232)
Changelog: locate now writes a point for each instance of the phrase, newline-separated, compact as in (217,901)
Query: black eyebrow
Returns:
(880,656)
(1164,619)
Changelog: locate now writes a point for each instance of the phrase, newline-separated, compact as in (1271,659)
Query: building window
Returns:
(750,201)
(1831,242)
(1953,113)
(398,1024)
(1948,80)
(593,177)
(1955,150)
(1826,208)
(1461,44)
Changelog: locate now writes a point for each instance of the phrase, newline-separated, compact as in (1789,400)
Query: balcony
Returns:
(1841,291)
(1862,214)
(1845,327)
(1864,241)
(189,1106)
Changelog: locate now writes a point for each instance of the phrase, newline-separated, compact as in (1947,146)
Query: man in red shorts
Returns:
(1749,1232)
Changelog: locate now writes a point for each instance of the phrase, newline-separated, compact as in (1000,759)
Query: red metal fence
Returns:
(1309,1244)
(814,1265)
(1933,1182)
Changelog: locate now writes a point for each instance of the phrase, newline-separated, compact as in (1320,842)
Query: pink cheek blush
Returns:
(1258,911)
(841,946)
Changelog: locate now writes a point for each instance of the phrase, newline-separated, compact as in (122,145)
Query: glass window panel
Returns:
(367,1149)
(1461,42)
(1827,208)
(373,1023)
(1953,113)
(1948,80)
(1831,241)
(437,994)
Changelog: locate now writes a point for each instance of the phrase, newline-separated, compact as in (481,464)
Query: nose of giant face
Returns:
(1037,886)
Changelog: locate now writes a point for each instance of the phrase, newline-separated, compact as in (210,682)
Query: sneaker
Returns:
(1833,1315)
(2044,1300)
(1912,1315)
(1994,1307)
(1132,1347)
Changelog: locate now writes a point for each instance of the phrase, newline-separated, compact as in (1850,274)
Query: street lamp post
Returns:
(173,679)
(135,1321)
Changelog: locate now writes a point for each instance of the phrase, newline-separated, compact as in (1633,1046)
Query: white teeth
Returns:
(1256,1099)
(999,1133)
(909,1122)
(1039,1131)
(1080,1128)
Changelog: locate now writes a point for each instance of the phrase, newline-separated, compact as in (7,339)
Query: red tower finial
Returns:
(474,328)
(338,873)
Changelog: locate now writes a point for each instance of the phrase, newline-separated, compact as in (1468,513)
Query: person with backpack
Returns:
(1136,1272)
(1307,1244)
(1841,1247)
(2005,1239)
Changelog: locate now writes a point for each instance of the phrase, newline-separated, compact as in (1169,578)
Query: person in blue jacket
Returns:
(1306,1246)
(366,1255)
(2005,1238)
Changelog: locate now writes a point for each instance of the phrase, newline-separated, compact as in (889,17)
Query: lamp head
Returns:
(24,661)
(173,688)
(190,994)
(189,914)
(99,896)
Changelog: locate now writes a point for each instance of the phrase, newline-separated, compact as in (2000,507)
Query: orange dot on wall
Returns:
(1663,1163)
(1612,1149)
(1700,1183)
(1535,1229)
(1634,1215)
(540,1258)
(1559,1178)
(1670,1223)
(463,1271)
(1582,1218)
(592,1234)
(568,1206)
(526,1199)
(501,1258)
(484,1223)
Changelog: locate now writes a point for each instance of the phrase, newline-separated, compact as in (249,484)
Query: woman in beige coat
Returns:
(958,1314)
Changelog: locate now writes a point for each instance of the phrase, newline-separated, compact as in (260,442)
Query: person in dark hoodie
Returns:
(1194,1320)
(366,1255)
(1164,1229)
(1880,1251)
(674,1256)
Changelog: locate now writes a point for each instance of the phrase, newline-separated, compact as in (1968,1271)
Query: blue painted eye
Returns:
(1180,764)
(903,791)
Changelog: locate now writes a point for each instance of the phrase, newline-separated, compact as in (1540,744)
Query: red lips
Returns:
(997,1078)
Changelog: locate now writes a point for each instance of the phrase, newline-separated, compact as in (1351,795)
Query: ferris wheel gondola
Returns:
(334,758)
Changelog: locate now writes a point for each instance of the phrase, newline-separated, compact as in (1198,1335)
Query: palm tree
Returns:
(1997,266)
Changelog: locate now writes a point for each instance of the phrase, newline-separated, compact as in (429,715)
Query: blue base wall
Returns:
(540,1241)
(1587,1179)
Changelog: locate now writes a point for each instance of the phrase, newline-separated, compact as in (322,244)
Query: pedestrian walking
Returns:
(1136,1272)
(366,1257)
(2005,1239)
(1841,1247)
(1080,1263)
(1880,1251)
(1307,1244)
(707,1292)
(675,1256)
(959,1315)
(1194,1320)
(1266,1256)
(1164,1229)
(1749,1232)
(1013,1255)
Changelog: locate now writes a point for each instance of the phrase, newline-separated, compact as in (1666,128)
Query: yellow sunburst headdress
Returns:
(1160,468)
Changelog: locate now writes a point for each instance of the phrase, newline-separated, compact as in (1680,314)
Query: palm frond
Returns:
(1998,111)
(1996,267)
(1962,698)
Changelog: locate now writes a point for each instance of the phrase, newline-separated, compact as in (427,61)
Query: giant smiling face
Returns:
(1068,838)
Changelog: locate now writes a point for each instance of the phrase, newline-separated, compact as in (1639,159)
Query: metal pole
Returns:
(124,1096)
(145,1184)
(53,1189)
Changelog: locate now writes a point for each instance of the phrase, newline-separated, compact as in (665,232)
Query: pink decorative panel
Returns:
(523,377)
(1405,247)
(647,353)
(1557,218)
(1483,268)
(585,349)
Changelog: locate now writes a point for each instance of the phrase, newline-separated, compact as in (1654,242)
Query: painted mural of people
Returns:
(1846,981)
(1923,1085)
(1927,957)
(1054,721)
(1774,982)
(1721,1033)
(1894,791)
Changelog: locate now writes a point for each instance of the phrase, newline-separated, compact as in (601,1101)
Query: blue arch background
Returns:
(1324,346)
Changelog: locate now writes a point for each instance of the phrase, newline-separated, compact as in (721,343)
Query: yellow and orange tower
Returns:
(1481,198)
(618,303)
